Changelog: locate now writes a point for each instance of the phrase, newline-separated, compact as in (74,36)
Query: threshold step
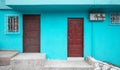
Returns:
(75,59)
(67,65)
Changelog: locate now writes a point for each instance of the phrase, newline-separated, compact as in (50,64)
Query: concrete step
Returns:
(67,65)
(37,61)
(28,61)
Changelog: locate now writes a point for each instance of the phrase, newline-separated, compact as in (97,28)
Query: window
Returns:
(12,24)
(115,18)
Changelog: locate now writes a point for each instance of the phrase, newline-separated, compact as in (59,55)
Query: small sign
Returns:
(97,16)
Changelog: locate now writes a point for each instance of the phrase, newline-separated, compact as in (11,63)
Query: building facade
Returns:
(62,29)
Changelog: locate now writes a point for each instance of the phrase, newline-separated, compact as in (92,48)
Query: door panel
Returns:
(31,33)
(75,37)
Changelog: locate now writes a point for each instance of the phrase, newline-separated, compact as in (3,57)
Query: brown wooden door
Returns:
(31,33)
(75,37)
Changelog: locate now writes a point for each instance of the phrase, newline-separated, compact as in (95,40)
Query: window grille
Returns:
(13,24)
(115,18)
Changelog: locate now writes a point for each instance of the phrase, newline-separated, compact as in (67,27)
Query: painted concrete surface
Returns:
(10,41)
(107,2)
(2,5)
(62,2)
(53,34)
(106,41)
(54,27)
(101,39)
(49,2)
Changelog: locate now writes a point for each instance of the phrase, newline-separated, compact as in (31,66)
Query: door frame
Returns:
(67,32)
(23,31)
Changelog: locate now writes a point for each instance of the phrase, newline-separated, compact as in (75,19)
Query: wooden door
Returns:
(75,37)
(31,33)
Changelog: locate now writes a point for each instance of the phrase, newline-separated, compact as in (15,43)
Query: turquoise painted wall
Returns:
(106,41)
(63,2)
(9,41)
(49,2)
(54,34)
(107,2)
(2,5)
(101,40)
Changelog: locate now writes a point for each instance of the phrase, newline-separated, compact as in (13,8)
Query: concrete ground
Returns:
(67,63)
(37,61)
